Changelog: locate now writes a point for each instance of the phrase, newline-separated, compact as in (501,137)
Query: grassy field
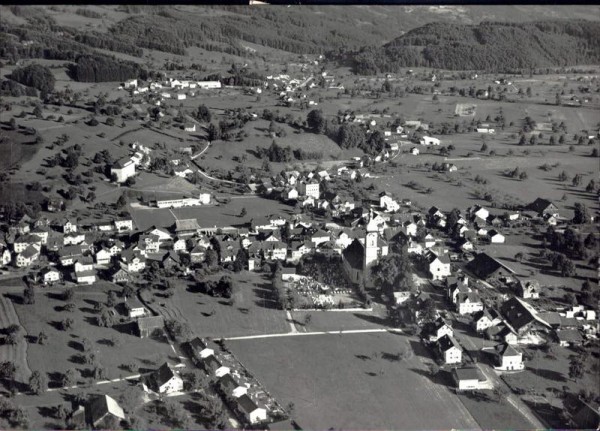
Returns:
(491,413)
(547,374)
(253,310)
(353,381)
(63,349)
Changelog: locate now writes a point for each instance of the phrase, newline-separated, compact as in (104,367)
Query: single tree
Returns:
(42,338)
(68,378)
(38,382)
(576,368)
(29,295)
(68,294)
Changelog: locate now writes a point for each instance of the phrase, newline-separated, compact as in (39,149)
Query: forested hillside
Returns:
(489,46)
(40,32)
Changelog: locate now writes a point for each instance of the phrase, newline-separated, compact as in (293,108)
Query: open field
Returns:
(253,311)
(63,349)
(489,414)
(353,381)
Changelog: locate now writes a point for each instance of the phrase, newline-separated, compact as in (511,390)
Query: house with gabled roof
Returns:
(68,255)
(543,206)
(468,303)
(161,233)
(433,331)
(496,237)
(103,412)
(231,387)
(28,256)
(502,333)
(121,275)
(485,318)
(569,337)
(103,256)
(478,212)
(50,275)
(438,265)
(456,285)
(468,378)
(487,268)
(124,224)
(505,357)
(528,288)
(85,277)
(449,350)
(523,319)
(25,241)
(252,413)
(5,257)
(41,233)
(164,380)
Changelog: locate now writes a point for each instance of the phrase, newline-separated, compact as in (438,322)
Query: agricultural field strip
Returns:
(15,353)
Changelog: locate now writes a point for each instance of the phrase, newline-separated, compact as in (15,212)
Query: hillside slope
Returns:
(490,46)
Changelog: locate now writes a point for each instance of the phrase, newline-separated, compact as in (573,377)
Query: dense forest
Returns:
(95,68)
(489,46)
(57,43)
(36,76)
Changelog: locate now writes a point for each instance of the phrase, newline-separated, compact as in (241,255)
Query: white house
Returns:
(123,225)
(251,411)
(181,96)
(85,277)
(428,140)
(103,257)
(507,358)
(467,379)
(123,169)
(28,256)
(134,308)
(496,237)
(131,83)
(414,151)
(5,257)
(388,203)
(50,275)
(164,380)
(449,350)
(468,303)
(311,189)
(479,212)
(190,127)
(439,266)
(209,84)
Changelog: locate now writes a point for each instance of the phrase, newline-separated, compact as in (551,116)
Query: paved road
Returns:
(298,334)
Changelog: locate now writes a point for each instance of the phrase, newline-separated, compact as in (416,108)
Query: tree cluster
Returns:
(36,76)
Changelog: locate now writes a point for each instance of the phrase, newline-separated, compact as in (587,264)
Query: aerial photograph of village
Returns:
(299,217)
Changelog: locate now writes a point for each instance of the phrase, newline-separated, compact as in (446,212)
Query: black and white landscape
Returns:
(302,217)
